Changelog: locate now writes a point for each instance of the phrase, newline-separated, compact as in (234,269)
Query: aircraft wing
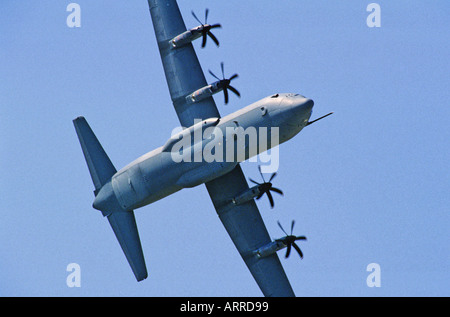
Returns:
(242,222)
(183,72)
(248,232)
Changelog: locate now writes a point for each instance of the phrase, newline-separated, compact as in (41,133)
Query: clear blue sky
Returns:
(369,184)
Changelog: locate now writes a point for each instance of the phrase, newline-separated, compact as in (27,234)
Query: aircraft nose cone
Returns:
(299,111)
(303,107)
(307,105)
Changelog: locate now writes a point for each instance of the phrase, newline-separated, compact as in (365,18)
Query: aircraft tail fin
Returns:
(99,164)
(122,222)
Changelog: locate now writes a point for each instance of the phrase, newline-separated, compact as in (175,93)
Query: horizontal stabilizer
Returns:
(125,229)
(98,162)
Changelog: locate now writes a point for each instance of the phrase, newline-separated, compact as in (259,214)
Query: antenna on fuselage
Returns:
(311,122)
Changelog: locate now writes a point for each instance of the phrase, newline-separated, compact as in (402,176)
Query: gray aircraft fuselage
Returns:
(156,174)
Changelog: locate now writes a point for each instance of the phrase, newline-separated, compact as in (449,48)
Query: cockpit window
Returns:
(275,96)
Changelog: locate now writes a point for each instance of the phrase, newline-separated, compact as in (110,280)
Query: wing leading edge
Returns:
(242,222)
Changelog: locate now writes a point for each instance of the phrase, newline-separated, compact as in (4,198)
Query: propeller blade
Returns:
(233,77)
(213,38)
(277,190)
(292,226)
(225,92)
(272,177)
(221,66)
(259,168)
(212,74)
(270,198)
(288,251)
(206,14)
(205,28)
(279,224)
(298,250)
(300,238)
(204,40)
(193,14)
(255,182)
(267,186)
(234,90)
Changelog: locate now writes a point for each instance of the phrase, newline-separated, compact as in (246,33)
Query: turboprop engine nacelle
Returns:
(246,196)
(203,93)
(269,249)
(186,37)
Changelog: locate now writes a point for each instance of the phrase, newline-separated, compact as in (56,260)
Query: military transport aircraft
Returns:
(119,193)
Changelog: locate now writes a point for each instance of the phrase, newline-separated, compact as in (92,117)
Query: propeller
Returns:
(225,83)
(289,240)
(205,29)
(266,187)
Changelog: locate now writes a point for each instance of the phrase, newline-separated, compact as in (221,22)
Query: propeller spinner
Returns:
(205,28)
(224,83)
(289,240)
(266,187)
